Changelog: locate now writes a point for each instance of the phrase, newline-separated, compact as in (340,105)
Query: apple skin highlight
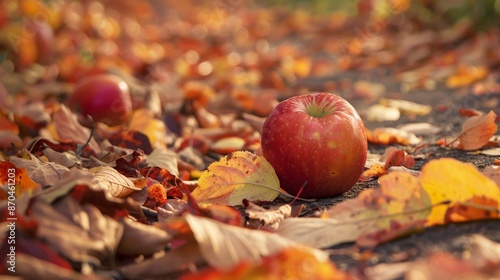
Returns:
(317,141)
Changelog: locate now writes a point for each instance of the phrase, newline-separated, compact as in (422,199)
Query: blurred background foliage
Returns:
(482,13)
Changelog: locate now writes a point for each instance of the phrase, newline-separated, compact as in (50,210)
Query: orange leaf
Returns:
(292,262)
(476,208)
(466,75)
(375,171)
(389,135)
(464,112)
(10,175)
(477,131)
(399,158)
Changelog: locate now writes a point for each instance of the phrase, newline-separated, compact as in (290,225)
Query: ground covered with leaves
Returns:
(179,188)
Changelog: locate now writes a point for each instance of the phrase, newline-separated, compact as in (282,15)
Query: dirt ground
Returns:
(451,237)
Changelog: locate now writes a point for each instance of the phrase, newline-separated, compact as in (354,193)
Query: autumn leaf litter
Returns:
(181,191)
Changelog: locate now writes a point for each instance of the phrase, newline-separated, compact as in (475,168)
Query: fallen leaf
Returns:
(21,180)
(476,208)
(224,246)
(268,217)
(30,267)
(449,180)
(374,171)
(290,262)
(65,159)
(114,183)
(68,129)
(140,239)
(466,75)
(228,145)
(163,158)
(406,107)
(157,196)
(7,139)
(78,232)
(399,157)
(237,176)
(256,122)
(442,265)
(172,208)
(144,121)
(491,152)
(485,254)
(465,112)
(178,260)
(476,131)
(399,206)
(381,113)
(389,135)
(420,129)
(43,173)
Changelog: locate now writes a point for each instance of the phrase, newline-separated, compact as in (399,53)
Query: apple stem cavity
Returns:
(319,110)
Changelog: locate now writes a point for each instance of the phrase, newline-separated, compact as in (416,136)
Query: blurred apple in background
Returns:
(105,97)
(317,141)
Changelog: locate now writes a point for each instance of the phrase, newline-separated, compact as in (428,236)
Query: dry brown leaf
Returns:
(382,113)
(79,232)
(44,173)
(167,265)
(491,152)
(256,122)
(406,107)
(268,217)
(485,254)
(420,129)
(114,183)
(7,138)
(141,239)
(224,246)
(163,158)
(171,209)
(28,267)
(442,265)
(65,159)
(68,129)
(476,131)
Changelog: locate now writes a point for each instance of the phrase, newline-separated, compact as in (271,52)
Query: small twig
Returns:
(298,194)
(80,149)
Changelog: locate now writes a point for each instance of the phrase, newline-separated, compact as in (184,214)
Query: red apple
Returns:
(317,141)
(105,97)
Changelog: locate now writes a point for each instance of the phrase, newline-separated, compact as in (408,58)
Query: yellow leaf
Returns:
(237,176)
(477,131)
(143,120)
(397,207)
(448,179)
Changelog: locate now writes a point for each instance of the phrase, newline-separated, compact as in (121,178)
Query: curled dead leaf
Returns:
(476,131)
(114,183)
